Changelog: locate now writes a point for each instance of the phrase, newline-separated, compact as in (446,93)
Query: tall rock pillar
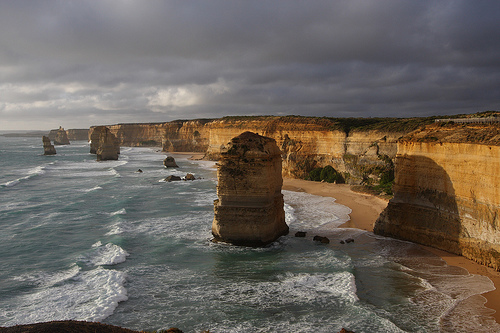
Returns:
(48,148)
(249,210)
(107,150)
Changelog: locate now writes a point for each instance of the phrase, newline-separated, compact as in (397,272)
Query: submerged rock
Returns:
(321,239)
(48,148)
(169,162)
(300,234)
(249,210)
(172,178)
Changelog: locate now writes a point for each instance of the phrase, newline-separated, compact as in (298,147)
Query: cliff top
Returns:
(487,134)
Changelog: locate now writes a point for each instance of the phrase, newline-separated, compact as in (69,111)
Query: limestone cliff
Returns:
(358,148)
(77,134)
(48,148)
(249,210)
(446,192)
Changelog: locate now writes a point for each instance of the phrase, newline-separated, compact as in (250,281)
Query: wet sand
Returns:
(365,211)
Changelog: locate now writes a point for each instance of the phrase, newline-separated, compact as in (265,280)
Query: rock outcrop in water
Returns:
(59,136)
(447,193)
(100,133)
(107,149)
(169,162)
(249,210)
(48,148)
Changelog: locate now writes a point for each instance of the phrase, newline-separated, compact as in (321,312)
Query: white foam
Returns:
(109,254)
(122,211)
(91,296)
(306,211)
(95,188)
(36,171)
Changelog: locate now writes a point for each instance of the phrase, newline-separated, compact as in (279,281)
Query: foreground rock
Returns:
(48,148)
(68,326)
(249,210)
(169,162)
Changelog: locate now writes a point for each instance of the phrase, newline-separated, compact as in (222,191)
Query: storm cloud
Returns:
(82,63)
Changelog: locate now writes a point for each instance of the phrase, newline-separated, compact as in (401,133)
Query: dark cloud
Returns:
(79,63)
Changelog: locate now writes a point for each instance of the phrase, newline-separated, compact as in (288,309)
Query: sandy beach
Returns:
(365,211)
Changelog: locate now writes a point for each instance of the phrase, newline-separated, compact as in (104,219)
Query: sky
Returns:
(81,63)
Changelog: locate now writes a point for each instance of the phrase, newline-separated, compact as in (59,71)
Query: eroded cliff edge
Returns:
(446,191)
(358,148)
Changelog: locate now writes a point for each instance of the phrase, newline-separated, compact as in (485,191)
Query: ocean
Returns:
(99,241)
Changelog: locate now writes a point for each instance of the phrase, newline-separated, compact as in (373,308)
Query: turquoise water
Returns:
(97,241)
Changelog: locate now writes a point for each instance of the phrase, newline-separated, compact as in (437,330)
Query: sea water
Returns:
(99,241)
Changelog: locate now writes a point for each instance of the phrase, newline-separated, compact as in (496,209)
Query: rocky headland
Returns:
(249,210)
(446,190)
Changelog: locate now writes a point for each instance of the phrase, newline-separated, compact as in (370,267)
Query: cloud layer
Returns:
(80,63)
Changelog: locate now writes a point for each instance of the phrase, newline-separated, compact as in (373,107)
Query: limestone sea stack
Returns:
(61,137)
(249,210)
(107,149)
(98,133)
(48,148)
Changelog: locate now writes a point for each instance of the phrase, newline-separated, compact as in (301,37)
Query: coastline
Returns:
(365,210)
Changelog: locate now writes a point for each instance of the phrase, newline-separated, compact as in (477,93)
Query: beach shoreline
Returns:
(365,210)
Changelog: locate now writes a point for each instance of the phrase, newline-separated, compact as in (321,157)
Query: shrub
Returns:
(327,174)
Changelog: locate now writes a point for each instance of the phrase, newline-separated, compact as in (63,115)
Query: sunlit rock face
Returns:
(249,210)
(107,149)
(447,193)
(48,148)
(59,136)
(97,136)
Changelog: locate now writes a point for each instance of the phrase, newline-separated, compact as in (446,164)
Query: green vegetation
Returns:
(327,174)
(149,143)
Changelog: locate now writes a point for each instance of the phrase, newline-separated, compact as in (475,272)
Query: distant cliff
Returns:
(446,192)
(358,148)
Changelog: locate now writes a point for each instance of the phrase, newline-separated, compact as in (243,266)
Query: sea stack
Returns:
(169,162)
(97,134)
(48,148)
(249,210)
(61,137)
(107,149)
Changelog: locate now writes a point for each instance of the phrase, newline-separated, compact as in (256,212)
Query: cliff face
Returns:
(249,210)
(77,134)
(305,143)
(446,192)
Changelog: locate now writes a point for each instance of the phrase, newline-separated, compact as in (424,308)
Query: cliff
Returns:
(249,210)
(446,192)
(358,148)
(77,134)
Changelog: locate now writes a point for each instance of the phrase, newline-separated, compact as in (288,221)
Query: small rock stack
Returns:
(48,148)
(249,210)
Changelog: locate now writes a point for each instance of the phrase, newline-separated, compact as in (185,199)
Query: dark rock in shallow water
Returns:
(349,240)
(67,326)
(300,234)
(321,239)
(139,171)
(169,162)
(189,176)
(172,178)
